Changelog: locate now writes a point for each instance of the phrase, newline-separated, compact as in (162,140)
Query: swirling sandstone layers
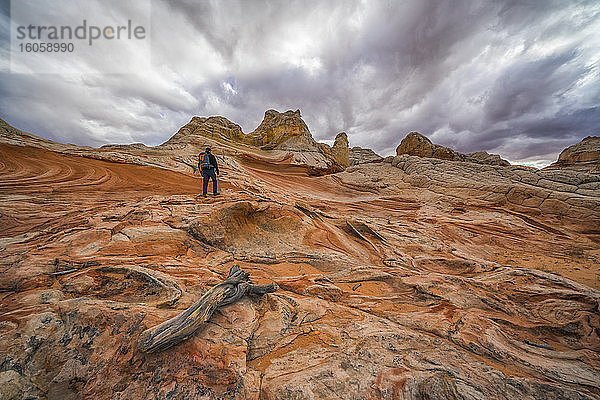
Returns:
(423,279)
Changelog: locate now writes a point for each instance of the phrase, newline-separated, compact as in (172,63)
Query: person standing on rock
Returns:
(207,164)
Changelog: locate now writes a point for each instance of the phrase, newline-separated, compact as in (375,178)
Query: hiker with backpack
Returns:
(207,165)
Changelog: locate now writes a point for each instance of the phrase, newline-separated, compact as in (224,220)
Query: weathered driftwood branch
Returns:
(180,327)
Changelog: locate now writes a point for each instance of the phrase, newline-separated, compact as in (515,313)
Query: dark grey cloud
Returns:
(519,78)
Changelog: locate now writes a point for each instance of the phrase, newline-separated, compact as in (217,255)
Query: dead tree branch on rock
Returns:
(182,326)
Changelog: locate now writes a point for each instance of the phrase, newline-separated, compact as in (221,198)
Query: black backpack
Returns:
(204,162)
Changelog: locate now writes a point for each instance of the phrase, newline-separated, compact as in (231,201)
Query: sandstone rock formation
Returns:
(568,197)
(340,150)
(415,144)
(198,129)
(287,131)
(483,157)
(417,278)
(358,155)
(277,128)
(583,156)
(278,135)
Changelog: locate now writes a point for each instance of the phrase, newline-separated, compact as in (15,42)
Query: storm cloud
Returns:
(518,78)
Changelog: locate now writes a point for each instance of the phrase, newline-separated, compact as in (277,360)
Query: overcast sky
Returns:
(517,78)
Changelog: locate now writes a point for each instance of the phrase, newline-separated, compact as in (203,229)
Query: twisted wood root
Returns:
(182,326)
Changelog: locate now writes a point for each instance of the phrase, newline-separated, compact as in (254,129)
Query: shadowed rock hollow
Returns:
(412,277)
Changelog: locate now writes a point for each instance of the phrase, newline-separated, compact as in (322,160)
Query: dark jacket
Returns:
(212,160)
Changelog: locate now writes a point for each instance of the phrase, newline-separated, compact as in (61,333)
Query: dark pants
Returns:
(206,175)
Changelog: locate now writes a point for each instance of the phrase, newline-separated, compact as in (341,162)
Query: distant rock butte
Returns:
(415,144)
(278,128)
(199,128)
(583,156)
(358,155)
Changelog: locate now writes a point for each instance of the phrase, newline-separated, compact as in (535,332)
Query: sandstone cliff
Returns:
(583,156)
(414,278)
(415,144)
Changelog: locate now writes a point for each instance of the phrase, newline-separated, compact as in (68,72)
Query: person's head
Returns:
(208,149)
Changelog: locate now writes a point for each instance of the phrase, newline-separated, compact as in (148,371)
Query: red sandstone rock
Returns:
(419,278)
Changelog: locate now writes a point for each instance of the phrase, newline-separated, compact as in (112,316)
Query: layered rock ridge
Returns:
(278,134)
(415,144)
(199,128)
(562,192)
(583,156)
(358,155)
